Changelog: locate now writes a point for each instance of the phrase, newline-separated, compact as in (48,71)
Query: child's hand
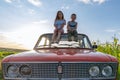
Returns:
(69,29)
(74,29)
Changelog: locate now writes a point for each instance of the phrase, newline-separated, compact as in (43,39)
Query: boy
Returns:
(72,29)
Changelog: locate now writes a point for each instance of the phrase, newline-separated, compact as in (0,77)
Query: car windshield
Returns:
(45,42)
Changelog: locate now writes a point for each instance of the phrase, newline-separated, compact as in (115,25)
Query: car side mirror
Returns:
(94,46)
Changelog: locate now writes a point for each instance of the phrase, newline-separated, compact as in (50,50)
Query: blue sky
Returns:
(22,21)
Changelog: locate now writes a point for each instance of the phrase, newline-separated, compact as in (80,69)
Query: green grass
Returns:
(112,49)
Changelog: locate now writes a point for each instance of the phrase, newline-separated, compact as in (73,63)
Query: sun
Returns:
(27,36)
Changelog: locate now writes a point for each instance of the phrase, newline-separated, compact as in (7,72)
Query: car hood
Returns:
(61,55)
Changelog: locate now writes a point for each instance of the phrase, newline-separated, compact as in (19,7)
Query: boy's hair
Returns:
(73,14)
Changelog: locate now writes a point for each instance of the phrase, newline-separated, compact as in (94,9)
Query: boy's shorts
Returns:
(72,34)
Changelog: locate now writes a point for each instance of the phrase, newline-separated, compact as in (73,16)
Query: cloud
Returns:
(99,1)
(41,22)
(92,1)
(8,1)
(65,7)
(110,30)
(85,1)
(37,3)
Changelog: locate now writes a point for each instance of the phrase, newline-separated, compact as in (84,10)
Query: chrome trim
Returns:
(88,62)
(25,63)
(57,62)
(31,62)
(32,78)
(58,78)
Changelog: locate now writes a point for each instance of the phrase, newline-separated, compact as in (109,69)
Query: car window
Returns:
(45,42)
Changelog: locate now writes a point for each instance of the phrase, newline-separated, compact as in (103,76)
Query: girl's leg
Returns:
(54,36)
(59,35)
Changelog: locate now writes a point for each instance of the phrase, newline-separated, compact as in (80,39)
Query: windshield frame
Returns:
(39,39)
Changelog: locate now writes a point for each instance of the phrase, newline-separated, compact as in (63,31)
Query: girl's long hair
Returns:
(57,16)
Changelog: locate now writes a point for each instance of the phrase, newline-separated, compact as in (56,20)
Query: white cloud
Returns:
(99,1)
(8,1)
(92,1)
(37,3)
(110,30)
(65,7)
(85,1)
(41,22)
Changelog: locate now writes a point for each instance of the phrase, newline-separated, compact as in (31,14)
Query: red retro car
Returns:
(63,61)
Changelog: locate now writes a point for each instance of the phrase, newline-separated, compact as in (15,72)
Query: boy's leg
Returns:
(54,36)
(69,35)
(75,34)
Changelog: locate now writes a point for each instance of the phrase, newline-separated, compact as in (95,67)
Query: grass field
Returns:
(112,49)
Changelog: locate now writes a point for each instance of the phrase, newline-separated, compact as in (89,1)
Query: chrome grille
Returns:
(75,70)
(70,70)
(81,70)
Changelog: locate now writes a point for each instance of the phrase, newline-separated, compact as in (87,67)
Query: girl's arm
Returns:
(55,25)
(63,24)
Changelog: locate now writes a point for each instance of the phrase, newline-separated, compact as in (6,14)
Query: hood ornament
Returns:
(60,70)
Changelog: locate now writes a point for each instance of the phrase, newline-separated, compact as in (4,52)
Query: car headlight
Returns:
(25,70)
(94,71)
(12,71)
(107,71)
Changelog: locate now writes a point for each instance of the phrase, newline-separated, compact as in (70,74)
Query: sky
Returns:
(23,21)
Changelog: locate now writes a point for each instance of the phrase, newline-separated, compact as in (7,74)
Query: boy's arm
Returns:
(68,27)
(76,26)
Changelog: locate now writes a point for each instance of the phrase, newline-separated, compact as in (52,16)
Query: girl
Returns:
(59,25)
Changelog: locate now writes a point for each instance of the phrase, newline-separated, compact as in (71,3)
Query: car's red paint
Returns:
(61,55)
